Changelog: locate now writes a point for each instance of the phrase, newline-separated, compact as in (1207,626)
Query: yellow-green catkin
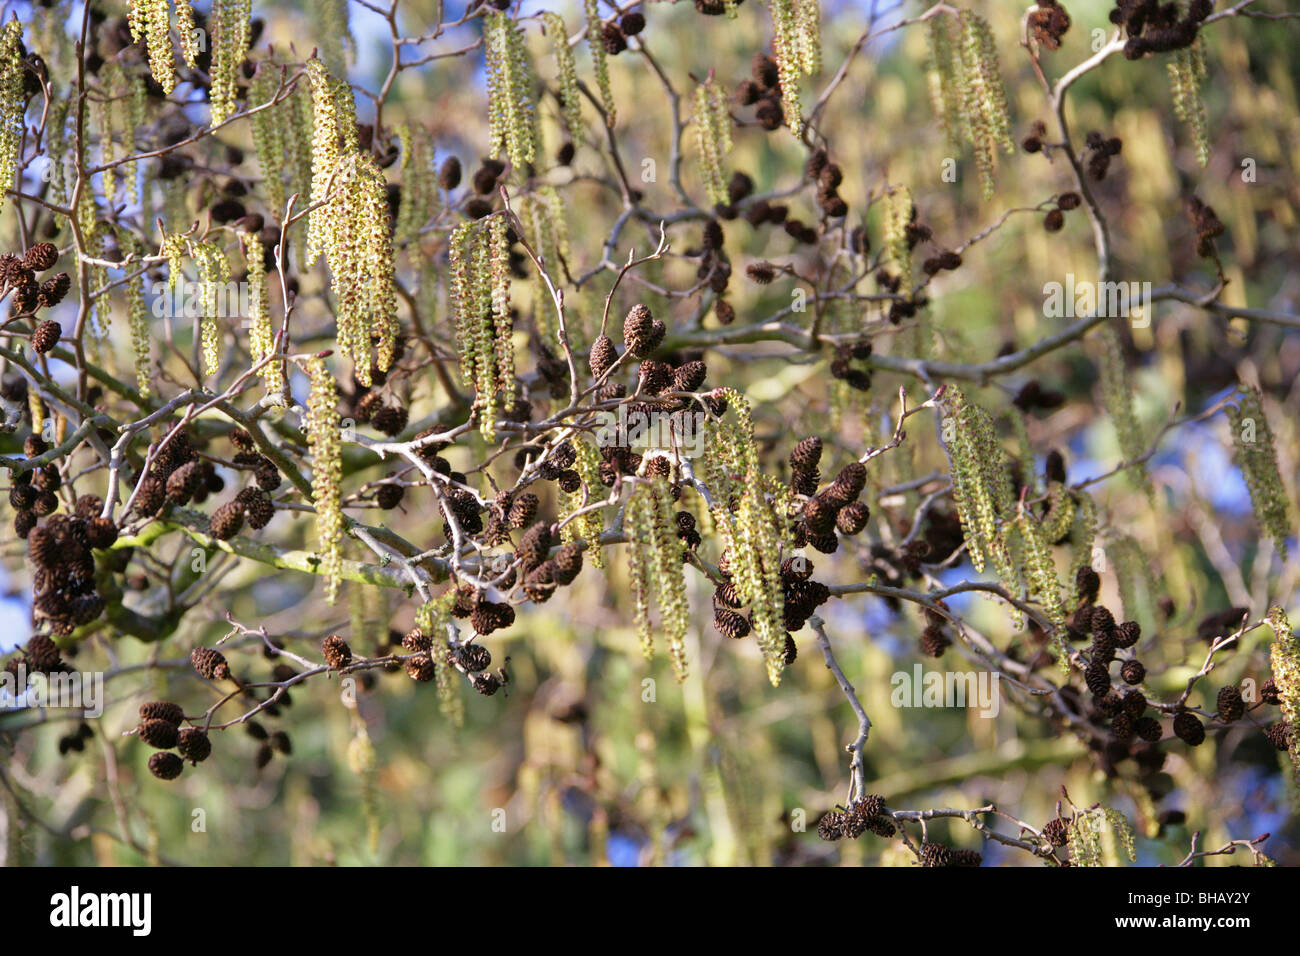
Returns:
(326,133)
(325,442)
(150,20)
(1284,656)
(1133,576)
(101,309)
(981,489)
(261,337)
(1117,395)
(100,124)
(1083,534)
(271,130)
(1044,586)
(512,119)
(590,525)
(434,618)
(351,227)
(332,32)
(362,267)
(897,214)
(419,182)
(56,145)
(37,409)
(131,119)
(214,273)
(11,103)
(300,130)
(115,116)
(752,533)
(174,247)
(599,61)
(230,24)
(547,228)
(796,47)
(712,138)
(984,98)
(1256,455)
(1084,840)
(1122,831)
(656,555)
(1059,518)
(189,32)
(502,323)
(566,75)
(1187,74)
(137,314)
(483,343)
(943,78)
(363,763)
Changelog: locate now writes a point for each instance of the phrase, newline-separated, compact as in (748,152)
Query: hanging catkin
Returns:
(270,138)
(796,47)
(1187,75)
(189,32)
(752,532)
(599,61)
(897,215)
(419,182)
(942,77)
(480,301)
(1285,659)
(332,30)
(149,20)
(325,442)
(11,103)
(325,136)
(261,337)
(712,138)
(655,556)
(214,273)
(137,314)
(966,79)
(512,117)
(1117,395)
(546,226)
(1256,454)
(566,75)
(350,226)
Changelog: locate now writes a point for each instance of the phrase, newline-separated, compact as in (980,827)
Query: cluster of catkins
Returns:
(1155,27)
(18,278)
(835,508)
